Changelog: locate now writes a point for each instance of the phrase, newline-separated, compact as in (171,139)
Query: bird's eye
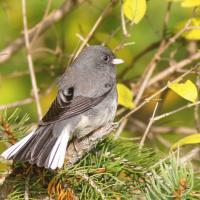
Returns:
(106,58)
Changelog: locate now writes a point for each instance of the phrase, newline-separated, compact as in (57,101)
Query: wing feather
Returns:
(66,106)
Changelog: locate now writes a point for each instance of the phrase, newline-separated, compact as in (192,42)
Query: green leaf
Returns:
(125,96)
(186,90)
(190,3)
(194,32)
(192,139)
(134,10)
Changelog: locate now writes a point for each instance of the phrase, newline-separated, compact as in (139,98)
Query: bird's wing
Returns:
(66,106)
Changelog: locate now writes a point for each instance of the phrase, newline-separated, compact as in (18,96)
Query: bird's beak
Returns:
(117,61)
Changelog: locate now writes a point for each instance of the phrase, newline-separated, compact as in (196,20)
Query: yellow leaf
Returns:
(186,90)
(192,139)
(125,96)
(192,34)
(190,3)
(134,10)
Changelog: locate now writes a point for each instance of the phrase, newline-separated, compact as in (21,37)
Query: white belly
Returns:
(91,121)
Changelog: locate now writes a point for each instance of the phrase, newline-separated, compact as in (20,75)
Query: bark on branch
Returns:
(39,28)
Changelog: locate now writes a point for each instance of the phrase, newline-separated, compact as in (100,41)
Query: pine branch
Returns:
(100,168)
(174,180)
(97,169)
(13,126)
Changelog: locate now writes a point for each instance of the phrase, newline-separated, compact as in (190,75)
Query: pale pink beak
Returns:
(117,61)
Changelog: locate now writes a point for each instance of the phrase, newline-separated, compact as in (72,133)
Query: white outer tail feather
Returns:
(7,154)
(57,155)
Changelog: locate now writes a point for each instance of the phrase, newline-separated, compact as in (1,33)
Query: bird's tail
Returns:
(41,147)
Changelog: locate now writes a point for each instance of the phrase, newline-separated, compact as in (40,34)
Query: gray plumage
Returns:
(86,101)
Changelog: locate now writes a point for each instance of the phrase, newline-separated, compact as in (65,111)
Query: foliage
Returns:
(193,32)
(125,96)
(188,3)
(134,10)
(109,171)
(112,170)
(175,180)
(13,126)
(191,139)
(187,90)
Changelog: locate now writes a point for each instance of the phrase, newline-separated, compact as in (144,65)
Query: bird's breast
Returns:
(99,116)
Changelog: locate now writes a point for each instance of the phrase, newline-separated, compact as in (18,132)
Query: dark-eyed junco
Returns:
(86,101)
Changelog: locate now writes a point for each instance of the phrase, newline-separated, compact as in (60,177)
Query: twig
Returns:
(154,95)
(30,61)
(151,67)
(120,129)
(26,190)
(148,73)
(95,26)
(196,108)
(122,45)
(52,18)
(140,126)
(27,100)
(166,18)
(138,56)
(81,38)
(16,104)
(175,111)
(190,155)
(123,21)
(40,25)
(92,183)
(112,34)
(163,141)
(148,127)
(170,70)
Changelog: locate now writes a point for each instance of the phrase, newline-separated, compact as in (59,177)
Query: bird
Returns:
(86,100)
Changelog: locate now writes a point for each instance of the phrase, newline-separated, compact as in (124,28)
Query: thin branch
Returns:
(16,103)
(92,183)
(122,44)
(30,61)
(163,141)
(43,19)
(148,127)
(95,26)
(166,18)
(51,19)
(196,108)
(141,126)
(190,155)
(171,69)
(154,95)
(81,38)
(152,66)
(175,111)
(148,49)
(148,73)
(123,21)
(120,129)
(26,190)
(27,100)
